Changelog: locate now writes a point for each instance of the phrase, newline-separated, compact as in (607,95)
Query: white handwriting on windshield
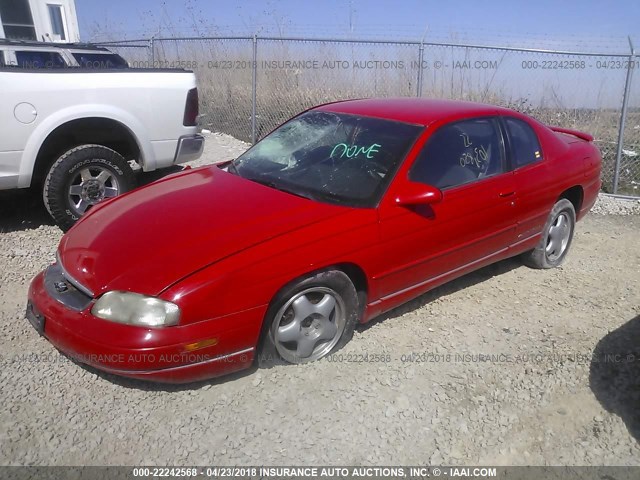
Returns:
(351,151)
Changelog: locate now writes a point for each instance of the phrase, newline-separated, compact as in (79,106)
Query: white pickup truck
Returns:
(73,132)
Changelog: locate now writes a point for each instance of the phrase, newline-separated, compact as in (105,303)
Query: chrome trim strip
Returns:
(179,367)
(524,240)
(72,280)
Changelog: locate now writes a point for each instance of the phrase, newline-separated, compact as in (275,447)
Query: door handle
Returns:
(506,194)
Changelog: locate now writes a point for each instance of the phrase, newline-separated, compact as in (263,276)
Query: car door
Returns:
(535,194)
(474,222)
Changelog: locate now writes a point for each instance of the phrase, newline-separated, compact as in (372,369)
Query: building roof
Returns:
(32,43)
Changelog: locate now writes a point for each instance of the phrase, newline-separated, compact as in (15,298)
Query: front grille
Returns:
(63,290)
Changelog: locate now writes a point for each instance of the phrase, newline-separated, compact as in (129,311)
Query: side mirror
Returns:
(413,193)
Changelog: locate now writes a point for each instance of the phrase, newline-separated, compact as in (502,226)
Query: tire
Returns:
(83,177)
(556,238)
(324,322)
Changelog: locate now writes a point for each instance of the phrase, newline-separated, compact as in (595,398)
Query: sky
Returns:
(576,25)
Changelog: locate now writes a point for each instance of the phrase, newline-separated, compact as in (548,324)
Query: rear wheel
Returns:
(310,319)
(556,237)
(82,178)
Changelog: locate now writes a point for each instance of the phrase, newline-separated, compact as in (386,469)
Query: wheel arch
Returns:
(353,271)
(91,130)
(575,195)
(56,123)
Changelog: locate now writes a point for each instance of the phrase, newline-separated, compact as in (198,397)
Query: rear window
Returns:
(100,60)
(39,59)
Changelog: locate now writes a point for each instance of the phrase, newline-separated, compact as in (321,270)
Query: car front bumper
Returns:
(190,147)
(167,355)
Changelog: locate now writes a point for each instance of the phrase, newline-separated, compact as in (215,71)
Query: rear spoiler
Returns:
(575,133)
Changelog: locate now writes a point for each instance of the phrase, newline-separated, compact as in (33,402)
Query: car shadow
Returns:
(22,210)
(151,386)
(466,281)
(614,374)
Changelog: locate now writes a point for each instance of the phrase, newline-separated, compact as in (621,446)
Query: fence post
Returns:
(152,54)
(254,88)
(623,117)
(420,60)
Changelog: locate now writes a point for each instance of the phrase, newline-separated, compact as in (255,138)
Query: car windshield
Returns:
(330,157)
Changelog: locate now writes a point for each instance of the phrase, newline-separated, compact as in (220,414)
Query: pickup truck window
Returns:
(34,59)
(525,147)
(460,153)
(100,60)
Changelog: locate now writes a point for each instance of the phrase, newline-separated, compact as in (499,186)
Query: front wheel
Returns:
(82,178)
(556,237)
(310,319)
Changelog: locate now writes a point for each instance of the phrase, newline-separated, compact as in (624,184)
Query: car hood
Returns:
(149,239)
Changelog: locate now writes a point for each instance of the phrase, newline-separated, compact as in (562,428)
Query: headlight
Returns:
(135,309)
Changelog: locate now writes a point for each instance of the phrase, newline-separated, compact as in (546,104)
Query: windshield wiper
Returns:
(231,168)
(277,186)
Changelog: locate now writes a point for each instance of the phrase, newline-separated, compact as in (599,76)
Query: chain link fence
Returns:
(249,85)
(134,51)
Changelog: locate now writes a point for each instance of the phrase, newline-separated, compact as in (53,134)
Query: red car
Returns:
(342,213)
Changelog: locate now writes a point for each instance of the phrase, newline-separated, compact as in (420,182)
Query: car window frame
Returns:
(510,147)
(60,53)
(500,130)
(73,53)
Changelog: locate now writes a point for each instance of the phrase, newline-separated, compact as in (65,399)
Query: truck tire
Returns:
(83,177)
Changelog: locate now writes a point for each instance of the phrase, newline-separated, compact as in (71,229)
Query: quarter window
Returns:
(460,153)
(525,147)
(39,59)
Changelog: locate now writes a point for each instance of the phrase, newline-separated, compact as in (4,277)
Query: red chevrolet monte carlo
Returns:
(342,213)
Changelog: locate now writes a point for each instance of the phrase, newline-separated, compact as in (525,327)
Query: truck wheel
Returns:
(83,177)
(556,237)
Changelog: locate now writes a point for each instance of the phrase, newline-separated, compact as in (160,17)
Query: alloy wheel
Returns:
(309,325)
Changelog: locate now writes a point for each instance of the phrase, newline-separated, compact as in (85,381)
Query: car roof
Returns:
(422,111)
(33,44)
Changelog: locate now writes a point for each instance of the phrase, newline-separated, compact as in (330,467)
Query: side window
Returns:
(525,147)
(100,60)
(460,153)
(39,59)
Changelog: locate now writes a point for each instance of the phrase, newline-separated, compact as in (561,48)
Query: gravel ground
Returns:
(504,366)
